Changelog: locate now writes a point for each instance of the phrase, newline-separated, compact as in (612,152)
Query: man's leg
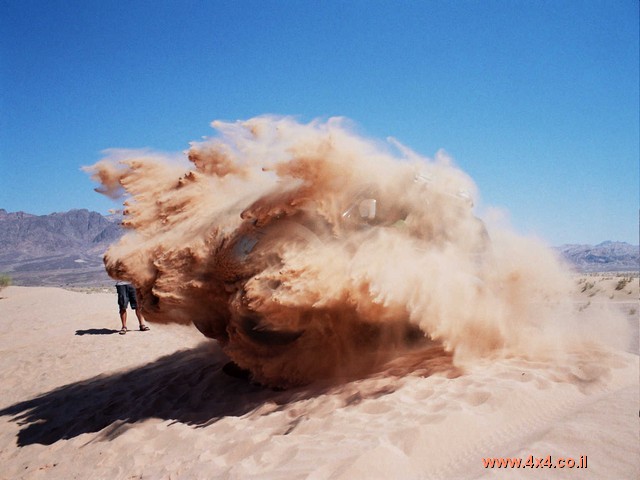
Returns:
(123,319)
(133,300)
(123,299)
(143,325)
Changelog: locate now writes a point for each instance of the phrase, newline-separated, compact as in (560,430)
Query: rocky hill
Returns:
(58,249)
(605,257)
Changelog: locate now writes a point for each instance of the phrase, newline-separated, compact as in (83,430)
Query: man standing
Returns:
(127,295)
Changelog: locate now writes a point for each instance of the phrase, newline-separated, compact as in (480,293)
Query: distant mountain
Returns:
(58,249)
(605,257)
(60,232)
(4,215)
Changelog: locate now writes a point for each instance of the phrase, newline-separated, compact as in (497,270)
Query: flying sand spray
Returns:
(309,252)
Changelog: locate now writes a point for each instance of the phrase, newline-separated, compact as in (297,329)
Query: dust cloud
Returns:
(309,252)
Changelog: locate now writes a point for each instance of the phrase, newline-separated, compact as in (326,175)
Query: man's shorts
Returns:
(126,294)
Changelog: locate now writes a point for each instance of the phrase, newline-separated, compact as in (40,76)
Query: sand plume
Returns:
(310,252)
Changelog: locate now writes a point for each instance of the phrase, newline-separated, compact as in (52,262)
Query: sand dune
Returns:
(80,401)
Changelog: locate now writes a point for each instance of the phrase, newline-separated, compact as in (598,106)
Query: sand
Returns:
(80,401)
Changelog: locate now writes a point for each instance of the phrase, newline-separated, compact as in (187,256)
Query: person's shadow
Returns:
(96,331)
(188,386)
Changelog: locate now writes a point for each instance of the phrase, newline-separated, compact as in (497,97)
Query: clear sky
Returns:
(537,100)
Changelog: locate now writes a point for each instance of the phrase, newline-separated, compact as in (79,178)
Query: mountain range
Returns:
(59,249)
(605,257)
(65,249)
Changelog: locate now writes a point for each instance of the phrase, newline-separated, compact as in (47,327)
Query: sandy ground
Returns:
(80,401)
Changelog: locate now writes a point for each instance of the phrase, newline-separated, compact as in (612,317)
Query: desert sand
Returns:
(80,401)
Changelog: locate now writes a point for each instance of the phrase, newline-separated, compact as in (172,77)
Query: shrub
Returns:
(587,286)
(5,281)
(622,283)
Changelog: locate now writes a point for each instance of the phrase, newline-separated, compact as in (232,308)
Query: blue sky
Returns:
(537,100)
